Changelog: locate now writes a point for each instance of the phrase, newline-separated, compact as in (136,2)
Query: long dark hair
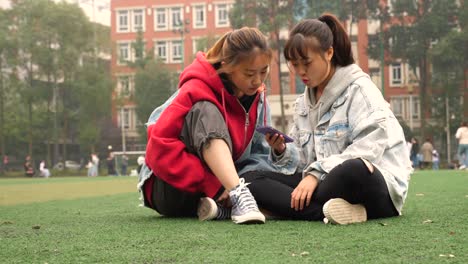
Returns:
(320,34)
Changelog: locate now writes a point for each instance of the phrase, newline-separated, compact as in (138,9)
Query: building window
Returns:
(124,52)
(122,21)
(199,16)
(222,15)
(138,20)
(396,74)
(415,107)
(161,19)
(176,55)
(169,51)
(135,24)
(125,118)
(168,18)
(161,50)
(397,107)
(125,86)
(176,17)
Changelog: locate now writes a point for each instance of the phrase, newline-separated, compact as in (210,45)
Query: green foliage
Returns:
(414,29)
(53,45)
(93,88)
(343,9)
(153,85)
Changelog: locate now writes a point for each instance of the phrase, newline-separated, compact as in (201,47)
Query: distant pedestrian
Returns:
(124,165)
(414,152)
(111,165)
(6,160)
(462,136)
(93,165)
(435,160)
(43,169)
(28,166)
(140,162)
(426,152)
(90,167)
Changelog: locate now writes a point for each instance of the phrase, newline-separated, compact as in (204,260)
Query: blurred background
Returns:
(82,76)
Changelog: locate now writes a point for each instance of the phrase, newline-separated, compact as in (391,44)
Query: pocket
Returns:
(336,139)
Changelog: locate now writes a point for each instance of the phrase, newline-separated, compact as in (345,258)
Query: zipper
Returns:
(246,124)
(246,127)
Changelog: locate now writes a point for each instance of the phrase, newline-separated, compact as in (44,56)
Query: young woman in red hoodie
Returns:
(204,136)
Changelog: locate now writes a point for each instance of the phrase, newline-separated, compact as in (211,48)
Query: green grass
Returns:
(112,228)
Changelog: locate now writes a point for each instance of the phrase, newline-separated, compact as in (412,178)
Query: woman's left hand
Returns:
(302,194)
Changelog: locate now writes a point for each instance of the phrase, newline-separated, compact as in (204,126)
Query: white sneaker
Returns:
(208,209)
(339,211)
(462,167)
(244,207)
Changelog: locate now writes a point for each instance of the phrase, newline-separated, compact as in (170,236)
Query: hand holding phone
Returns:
(270,130)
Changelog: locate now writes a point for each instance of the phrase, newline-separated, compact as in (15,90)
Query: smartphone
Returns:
(269,130)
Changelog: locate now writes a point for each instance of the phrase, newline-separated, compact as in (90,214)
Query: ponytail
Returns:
(343,55)
(214,54)
(320,34)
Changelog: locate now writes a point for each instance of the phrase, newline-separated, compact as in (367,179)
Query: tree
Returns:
(411,31)
(450,59)
(93,88)
(53,43)
(5,54)
(154,82)
(270,17)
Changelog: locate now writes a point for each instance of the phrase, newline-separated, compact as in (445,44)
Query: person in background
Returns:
(95,167)
(414,152)
(204,137)
(140,162)
(111,165)
(435,159)
(28,166)
(90,167)
(426,152)
(462,136)
(124,165)
(43,169)
(354,163)
(5,162)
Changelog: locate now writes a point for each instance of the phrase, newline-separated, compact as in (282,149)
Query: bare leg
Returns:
(218,157)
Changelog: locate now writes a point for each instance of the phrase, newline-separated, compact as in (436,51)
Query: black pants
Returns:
(172,202)
(351,181)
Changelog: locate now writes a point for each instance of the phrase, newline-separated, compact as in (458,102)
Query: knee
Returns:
(369,165)
(358,164)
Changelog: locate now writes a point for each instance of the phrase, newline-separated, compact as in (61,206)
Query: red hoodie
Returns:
(167,155)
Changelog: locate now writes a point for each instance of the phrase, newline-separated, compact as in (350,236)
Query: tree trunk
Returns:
(2,117)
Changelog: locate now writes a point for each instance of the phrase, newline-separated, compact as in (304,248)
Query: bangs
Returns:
(297,47)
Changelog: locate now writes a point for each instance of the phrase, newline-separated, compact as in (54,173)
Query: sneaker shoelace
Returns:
(245,199)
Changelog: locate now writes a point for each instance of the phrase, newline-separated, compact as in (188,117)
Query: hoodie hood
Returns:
(342,78)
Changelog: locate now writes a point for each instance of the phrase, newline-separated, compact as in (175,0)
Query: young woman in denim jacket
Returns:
(204,137)
(354,164)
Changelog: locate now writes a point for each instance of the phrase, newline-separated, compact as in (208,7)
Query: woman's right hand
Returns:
(276,142)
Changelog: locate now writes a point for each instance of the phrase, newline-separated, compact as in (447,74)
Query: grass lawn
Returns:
(98,220)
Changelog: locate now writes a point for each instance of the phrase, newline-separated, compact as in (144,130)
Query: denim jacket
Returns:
(255,156)
(351,120)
